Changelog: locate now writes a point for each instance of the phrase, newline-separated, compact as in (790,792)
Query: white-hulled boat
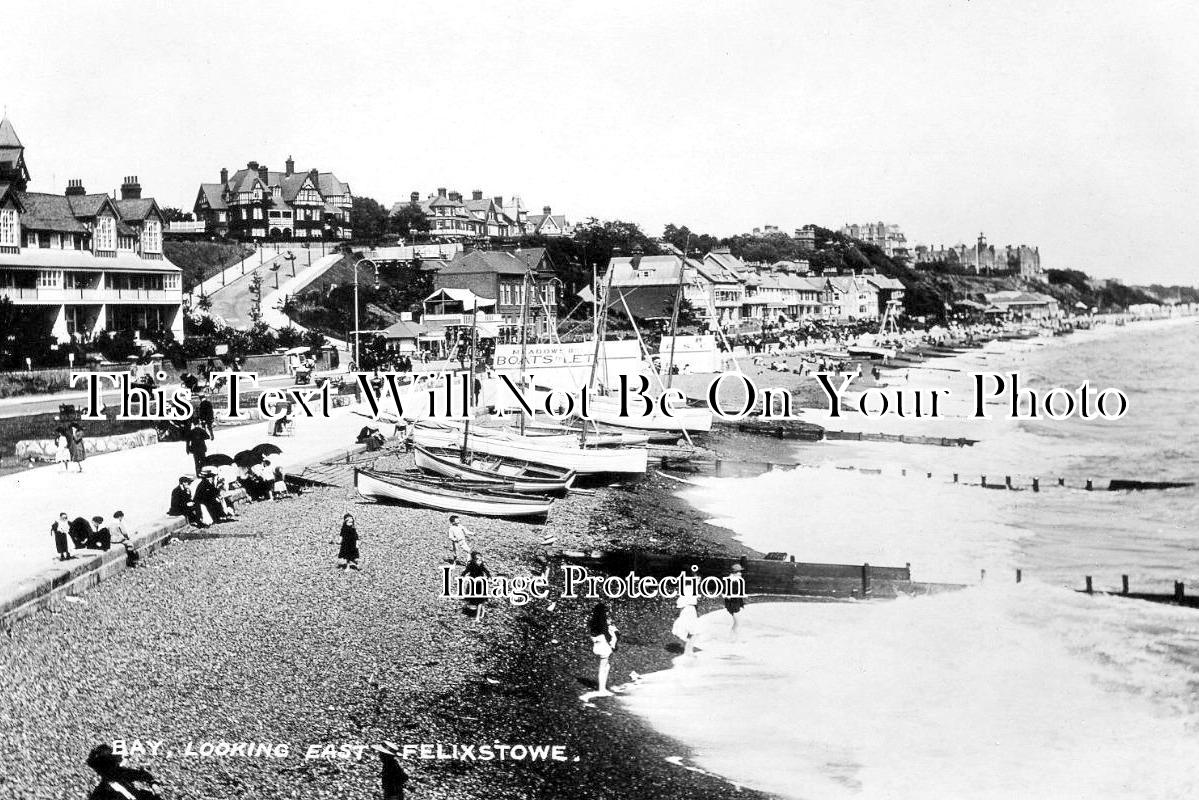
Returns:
(692,420)
(553,433)
(522,476)
(536,449)
(444,496)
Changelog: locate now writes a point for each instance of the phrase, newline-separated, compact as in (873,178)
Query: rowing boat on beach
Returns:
(521,476)
(465,498)
(565,454)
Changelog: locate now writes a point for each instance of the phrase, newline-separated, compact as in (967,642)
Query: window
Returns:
(106,233)
(257,212)
(220,216)
(152,236)
(8,227)
(49,279)
(170,281)
(274,215)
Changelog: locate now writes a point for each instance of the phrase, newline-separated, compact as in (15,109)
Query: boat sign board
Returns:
(691,353)
(568,365)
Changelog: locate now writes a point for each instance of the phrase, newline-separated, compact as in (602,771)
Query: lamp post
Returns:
(357,333)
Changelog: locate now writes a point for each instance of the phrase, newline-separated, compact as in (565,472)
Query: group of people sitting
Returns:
(211,499)
(91,534)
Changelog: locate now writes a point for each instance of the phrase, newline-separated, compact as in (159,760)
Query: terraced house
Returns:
(75,264)
(256,204)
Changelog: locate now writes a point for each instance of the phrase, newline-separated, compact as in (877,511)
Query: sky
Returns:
(1072,126)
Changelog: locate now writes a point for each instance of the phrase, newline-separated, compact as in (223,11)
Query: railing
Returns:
(54,295)
(460,319)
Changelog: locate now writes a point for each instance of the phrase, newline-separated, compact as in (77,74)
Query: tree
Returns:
(409,222)
(368,219)
(172,214)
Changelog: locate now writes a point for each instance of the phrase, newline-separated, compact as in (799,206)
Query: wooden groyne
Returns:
(1178,597)
(939,441)
(775,575)
(1014,483)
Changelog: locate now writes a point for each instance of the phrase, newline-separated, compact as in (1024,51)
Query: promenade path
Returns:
(138,482)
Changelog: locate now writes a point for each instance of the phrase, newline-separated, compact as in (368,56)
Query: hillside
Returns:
(201,260)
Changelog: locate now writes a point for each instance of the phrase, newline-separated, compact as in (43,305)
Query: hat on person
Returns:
(387,748)
(208,471)
(737,568)
(185,479)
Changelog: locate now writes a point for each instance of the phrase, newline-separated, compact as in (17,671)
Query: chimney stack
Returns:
(414,197)
(75,188)
(545,210)
(263,174)
(477,194)
(224,176)
(131,189)
(312,173)
(441,191)
(252,166)
(455,196)
(498,200)
(290,166)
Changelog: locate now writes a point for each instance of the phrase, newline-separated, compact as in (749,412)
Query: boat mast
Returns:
(674,315)
(524,336)
(474,348)
(599,326)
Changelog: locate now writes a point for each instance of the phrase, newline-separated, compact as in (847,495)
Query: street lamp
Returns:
(357,333)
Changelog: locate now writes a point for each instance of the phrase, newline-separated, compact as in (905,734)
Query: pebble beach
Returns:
(247,632)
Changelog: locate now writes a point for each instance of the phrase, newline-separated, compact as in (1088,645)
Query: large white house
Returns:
(75,264)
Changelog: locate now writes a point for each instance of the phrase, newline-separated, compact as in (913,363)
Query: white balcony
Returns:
(55,296)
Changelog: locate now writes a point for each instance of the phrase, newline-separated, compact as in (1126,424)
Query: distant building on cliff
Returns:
(888,238)
(982,258)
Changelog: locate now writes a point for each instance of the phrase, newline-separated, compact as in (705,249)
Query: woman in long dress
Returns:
(347,555)
(603,644)
(75,445)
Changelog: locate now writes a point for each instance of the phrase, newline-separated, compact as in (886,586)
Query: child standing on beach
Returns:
(603,644)
(347,555)
(457,535)
(60,528)
(62,453)
(686,625)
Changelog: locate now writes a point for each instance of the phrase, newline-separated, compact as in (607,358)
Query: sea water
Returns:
(1002,689)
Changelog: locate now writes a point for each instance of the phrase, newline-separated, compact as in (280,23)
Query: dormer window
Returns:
(257,192)
(152,236)
(276,192)
(106,233)
(9,226)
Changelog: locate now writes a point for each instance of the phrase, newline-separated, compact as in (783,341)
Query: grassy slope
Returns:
(201,260)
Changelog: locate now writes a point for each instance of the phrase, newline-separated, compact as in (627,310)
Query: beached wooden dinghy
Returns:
(522,476)
(465,498)
(568,455)
(692,420)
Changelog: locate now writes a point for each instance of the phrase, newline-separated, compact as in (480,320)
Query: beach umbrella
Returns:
(247,458)
(266,449)
(217,460)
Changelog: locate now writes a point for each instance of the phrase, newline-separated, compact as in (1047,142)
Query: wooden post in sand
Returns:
(1036,484)
(1019,574)
(1090,486)
(865,579)
(1179,591)
(1088,584)
(1123,584)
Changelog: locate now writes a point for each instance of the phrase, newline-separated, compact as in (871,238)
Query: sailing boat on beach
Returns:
(606,409)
